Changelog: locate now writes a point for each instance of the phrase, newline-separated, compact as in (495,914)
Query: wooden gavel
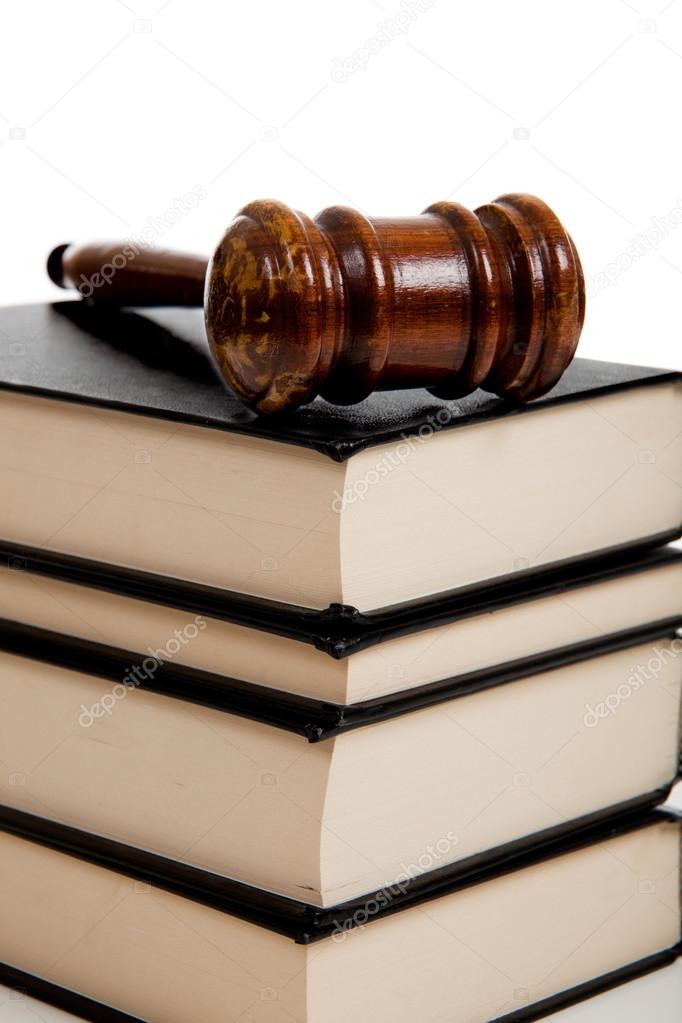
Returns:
(343,305)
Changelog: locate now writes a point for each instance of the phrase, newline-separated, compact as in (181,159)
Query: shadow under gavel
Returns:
(344,304)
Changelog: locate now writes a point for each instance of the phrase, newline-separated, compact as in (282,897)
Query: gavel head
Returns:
(343,305)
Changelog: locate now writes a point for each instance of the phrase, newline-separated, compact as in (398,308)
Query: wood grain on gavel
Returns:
(345,304)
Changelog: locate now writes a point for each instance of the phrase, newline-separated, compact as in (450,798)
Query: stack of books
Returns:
(358,714)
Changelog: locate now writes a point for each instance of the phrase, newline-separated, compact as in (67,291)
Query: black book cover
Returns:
(157,363)
(340,630)
(305,923)
(315,719)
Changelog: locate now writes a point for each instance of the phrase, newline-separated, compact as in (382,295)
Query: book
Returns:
(339,655)
(122,447)
(322,801)
(630,1001)
(131,936)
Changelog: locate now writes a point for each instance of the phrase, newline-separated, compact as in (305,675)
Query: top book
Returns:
(121,446)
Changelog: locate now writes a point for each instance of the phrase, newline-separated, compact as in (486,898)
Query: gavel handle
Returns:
(126,274)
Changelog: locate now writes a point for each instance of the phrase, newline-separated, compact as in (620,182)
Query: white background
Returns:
(121,108)
(112,111)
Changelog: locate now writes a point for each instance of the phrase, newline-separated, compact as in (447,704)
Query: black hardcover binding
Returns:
(305,923)
(597,986)
(158,363)
(304,715)
(341,630)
